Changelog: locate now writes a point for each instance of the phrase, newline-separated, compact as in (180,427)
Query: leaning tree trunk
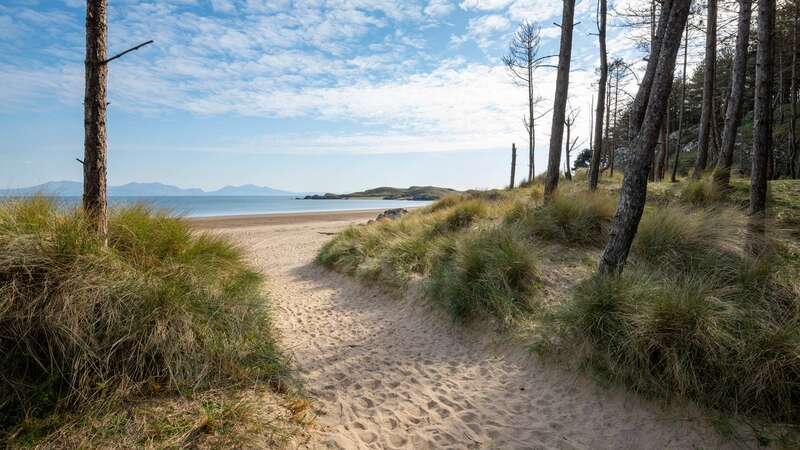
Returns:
(633,193)
(762,110)
(95,201)
(639,105)
(722,173)
(674,177)
(707,114)
(597,149)
(560,102)
(662,157)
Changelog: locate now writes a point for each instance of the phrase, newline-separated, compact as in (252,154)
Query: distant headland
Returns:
(419,193)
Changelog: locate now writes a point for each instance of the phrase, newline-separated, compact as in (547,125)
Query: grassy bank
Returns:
(161,313)
(706,310)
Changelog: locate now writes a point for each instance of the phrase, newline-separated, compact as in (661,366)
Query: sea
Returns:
(213,206)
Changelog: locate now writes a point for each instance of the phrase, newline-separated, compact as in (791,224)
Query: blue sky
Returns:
(306,95)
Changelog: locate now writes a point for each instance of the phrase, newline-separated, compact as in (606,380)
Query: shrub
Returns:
(159,309)
(490,271)
(581,218)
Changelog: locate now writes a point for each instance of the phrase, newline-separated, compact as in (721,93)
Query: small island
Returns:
(419,193)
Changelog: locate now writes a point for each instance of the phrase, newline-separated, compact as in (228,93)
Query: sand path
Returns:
(390,373)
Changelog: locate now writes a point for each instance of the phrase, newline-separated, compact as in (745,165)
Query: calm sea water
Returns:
(242,205)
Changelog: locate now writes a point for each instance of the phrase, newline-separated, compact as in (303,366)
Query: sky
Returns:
(303,95)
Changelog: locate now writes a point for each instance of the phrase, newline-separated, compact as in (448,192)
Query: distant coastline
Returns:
(243,205)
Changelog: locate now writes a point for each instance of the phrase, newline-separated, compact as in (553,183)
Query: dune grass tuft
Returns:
(689,336)
(161,309)
(689,238)
(570,218)
(490,271)
(703,192)
(462,216)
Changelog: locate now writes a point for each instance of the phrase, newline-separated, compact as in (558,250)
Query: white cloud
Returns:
(438,8)
(356,62)
(484,5)
(224,6)
(483,30)
(535,10)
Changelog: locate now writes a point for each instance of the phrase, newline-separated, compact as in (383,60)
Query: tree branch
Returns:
(118,55)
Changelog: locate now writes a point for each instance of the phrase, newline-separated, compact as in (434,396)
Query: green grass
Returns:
(160,310)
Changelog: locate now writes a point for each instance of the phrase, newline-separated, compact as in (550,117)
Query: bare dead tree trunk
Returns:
(521,62)
(722,173)
(674,177)
(569,121)
(513,164)
(95,201)
(560,102)
(633,193)
(567,170)
(597,149)
(762,109)
(591,124)
(531,130)
(639,105)
(706,115)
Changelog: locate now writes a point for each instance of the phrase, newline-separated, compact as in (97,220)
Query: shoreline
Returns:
(252,220)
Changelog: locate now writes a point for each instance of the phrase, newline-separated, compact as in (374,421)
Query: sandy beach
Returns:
(389,371)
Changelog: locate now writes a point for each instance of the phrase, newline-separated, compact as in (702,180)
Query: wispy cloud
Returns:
(369,65)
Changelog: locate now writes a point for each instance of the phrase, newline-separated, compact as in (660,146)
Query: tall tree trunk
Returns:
(793,169)
(614,146)
(706,115)
(607,133)
(674,177)
(597,149)
(560,102)
(513,165)
(633,193)
(722,173)
(762,109)
(95,201)
(639,105)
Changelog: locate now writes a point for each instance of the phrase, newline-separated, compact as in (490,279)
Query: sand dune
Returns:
(389,372)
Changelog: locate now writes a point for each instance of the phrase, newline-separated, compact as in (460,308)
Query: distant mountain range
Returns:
(75,188)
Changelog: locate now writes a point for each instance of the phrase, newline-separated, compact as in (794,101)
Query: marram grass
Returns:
(161,309)
(694,316)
